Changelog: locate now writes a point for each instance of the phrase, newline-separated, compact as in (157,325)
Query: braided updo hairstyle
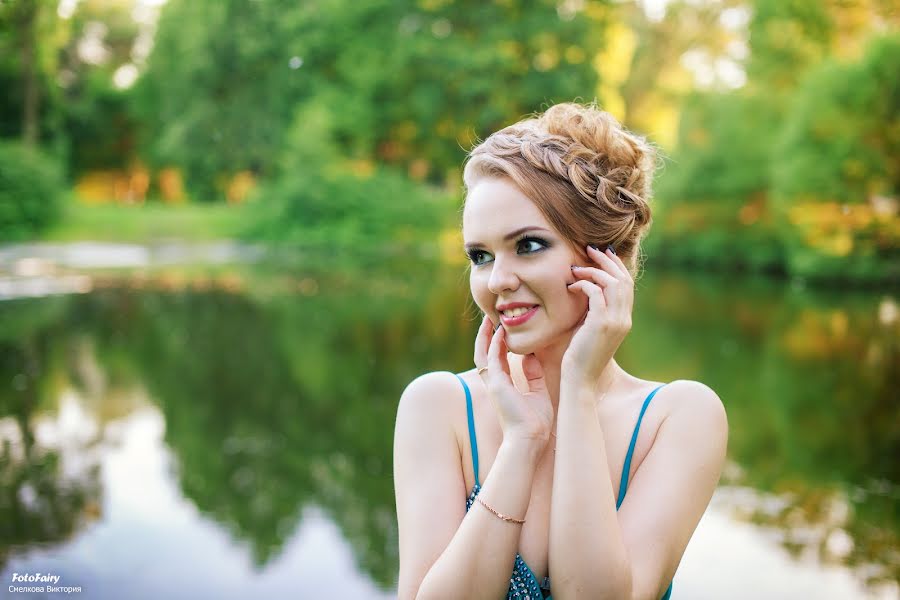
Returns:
(589,176)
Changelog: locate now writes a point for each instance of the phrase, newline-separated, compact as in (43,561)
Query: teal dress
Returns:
(523,583)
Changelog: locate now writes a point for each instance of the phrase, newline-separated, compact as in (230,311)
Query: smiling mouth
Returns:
(518,316)
(517,312)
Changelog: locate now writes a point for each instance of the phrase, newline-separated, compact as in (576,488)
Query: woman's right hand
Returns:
(528,416)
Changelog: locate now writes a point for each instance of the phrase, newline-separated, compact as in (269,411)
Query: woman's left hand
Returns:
(610,291)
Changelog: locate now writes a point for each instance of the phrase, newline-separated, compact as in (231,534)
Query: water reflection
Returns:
(48,474)
(240,415)
(732,558)
(809,381)
(148,521)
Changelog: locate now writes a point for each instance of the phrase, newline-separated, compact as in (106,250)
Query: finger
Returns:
(612,288)
(498,366)
(534,373)
(598,276)
(604,258)
(615,258)
(617,294)
(618,299)
(483,341)
(624,293)
(502,352)
(596,299)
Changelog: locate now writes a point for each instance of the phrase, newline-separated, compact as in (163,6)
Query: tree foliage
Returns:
(836,169)
(31,190)
(28,63)
(762,175)
(407,82)
(321,200)
(841,140)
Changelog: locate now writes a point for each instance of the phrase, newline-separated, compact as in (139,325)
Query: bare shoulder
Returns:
(427,400)
(429,485)
(694,396)
(431,389)
(685,460)
(694,406)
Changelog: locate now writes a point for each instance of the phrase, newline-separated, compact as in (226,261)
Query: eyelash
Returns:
(474,253)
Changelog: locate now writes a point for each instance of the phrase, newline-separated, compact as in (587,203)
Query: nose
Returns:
(503,277)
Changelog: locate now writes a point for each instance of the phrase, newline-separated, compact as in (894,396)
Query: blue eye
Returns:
(478,257)
(527,245)
(524,245)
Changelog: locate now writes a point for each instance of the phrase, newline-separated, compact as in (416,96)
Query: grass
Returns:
(148,223)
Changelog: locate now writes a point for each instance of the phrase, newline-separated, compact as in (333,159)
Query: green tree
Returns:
(407,82)
(714,194)
(27,70)
(836,168)
(60,95)
(654,80)
(321,200)
(98,115)
(842,136)
(717,196)
(219,86)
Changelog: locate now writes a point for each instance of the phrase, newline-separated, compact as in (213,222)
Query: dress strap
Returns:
(472,441)
(623,484)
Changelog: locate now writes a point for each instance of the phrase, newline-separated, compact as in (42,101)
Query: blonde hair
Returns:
(588,175)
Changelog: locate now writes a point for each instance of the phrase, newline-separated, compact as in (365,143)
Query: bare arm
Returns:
(587,556)
(672,488)
(633,553)
(444,551)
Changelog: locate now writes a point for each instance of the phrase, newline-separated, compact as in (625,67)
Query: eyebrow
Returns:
(509,236)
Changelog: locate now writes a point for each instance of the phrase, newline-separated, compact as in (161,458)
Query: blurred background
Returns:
(229,239)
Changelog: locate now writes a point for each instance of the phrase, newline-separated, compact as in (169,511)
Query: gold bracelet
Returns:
(504,517)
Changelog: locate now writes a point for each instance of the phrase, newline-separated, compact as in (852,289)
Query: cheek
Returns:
(554,288)
(579,303)
(570,306)
(480,294)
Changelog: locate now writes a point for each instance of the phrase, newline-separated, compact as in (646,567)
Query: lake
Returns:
(223,429)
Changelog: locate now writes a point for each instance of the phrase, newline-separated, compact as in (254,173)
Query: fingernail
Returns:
(497,327)
(576,267)
(610,248)
(594,246)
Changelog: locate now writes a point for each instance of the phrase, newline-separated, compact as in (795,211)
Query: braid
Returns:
(598,172)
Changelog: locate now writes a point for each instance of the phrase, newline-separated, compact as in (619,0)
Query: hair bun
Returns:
(590,176)
(621,160)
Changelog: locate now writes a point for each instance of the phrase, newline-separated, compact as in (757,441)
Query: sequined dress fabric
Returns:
(522,583)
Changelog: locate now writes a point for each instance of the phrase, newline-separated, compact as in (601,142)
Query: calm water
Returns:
(187,433)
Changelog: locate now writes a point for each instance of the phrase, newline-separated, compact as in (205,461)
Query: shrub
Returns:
(344,211)
(31,191)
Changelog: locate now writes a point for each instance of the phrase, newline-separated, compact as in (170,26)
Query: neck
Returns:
(551,361)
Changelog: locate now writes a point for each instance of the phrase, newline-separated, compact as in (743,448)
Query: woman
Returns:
(547,433)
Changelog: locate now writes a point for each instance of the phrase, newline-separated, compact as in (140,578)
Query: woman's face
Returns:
(519,259)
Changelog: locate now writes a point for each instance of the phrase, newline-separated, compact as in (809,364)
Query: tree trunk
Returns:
(31,98)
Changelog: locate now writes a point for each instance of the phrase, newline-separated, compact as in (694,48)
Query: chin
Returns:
(520,348)
(529,341)
(526,342)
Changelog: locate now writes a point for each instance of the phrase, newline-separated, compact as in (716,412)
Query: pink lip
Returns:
(514,321)
(509,305)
